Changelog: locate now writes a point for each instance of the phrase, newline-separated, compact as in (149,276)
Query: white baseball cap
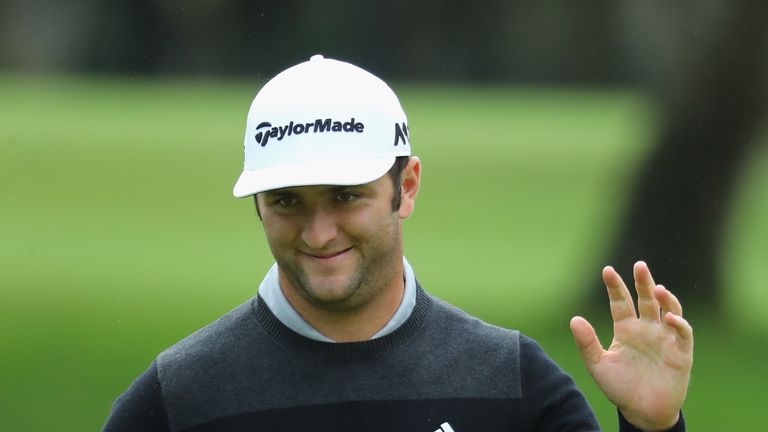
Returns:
(321,122)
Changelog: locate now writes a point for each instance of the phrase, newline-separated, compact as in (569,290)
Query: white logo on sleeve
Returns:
(445,427)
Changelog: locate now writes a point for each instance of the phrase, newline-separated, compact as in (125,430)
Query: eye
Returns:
(346,197)
(286,201)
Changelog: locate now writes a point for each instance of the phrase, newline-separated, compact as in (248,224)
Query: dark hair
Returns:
(395,173)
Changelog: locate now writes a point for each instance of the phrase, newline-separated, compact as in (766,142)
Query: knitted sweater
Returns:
(441,371)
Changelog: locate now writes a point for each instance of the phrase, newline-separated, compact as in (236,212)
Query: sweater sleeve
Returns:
(141,407)
(625,426)
(553,401)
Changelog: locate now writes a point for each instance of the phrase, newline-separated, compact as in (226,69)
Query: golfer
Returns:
(342,337)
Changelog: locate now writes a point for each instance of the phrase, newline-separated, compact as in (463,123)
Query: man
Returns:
(341,337)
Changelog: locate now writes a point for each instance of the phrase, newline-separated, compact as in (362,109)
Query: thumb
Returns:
(586,341)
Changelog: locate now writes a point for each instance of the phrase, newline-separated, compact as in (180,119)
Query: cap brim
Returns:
(318,172)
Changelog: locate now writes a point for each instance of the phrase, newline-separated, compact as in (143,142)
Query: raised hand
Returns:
(646,370)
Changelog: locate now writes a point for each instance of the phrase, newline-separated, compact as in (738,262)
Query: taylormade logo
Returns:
(265,130)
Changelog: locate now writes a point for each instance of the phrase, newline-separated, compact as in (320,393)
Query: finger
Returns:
(647,304)
(683,329)
(621,301)
(667,300)
(586,341)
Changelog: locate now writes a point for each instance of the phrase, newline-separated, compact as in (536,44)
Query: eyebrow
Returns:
(341,188)
(277,192)
(328,188)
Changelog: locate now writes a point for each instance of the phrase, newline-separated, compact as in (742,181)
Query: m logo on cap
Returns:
(401,133)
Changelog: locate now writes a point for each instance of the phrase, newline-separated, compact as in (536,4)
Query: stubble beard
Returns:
(371,276)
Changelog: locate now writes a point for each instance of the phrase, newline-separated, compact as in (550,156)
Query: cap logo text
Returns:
(263,134)
(401,134)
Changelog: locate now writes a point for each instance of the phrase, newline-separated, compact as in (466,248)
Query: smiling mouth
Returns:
(328,256)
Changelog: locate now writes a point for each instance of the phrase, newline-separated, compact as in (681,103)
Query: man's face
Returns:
(337,247)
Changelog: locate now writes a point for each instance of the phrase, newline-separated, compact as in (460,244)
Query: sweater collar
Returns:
(295,342)
(274,298)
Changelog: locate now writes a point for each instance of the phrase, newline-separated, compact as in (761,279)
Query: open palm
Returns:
(646,370)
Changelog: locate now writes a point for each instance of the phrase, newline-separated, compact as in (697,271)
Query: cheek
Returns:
(375,227)
(278,233)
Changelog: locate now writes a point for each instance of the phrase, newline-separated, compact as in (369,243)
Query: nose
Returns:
(320,228)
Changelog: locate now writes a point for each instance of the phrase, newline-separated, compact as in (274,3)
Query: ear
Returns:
(409,185)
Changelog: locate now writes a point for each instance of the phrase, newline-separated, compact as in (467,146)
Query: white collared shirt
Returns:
(275,299)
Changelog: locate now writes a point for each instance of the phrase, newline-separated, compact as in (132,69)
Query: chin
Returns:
(331,290)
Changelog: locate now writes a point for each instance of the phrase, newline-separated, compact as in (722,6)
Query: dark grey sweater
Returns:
(248,372)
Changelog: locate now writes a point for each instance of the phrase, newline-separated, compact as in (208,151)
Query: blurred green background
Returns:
(539,125)
(120,235)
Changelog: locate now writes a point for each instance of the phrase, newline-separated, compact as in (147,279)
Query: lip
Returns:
(328,257)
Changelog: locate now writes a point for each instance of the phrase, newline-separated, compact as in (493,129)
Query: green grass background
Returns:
(119,235)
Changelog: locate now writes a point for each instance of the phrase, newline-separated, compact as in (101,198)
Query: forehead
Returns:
(326,189)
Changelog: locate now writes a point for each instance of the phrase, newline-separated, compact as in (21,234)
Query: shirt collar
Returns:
(275,299)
